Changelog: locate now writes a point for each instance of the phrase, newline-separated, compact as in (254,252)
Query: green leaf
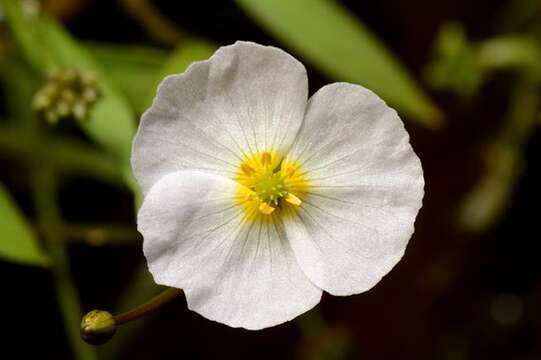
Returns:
(192,49)
(133,68)
(48,47)
(340,46)
(26,30)
(18,243)
(18,83)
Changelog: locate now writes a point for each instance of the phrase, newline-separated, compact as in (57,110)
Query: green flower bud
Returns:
(63,108)
(97,327)
(51,117)
(67,93)
(79,110)
(41,101)
(89,95)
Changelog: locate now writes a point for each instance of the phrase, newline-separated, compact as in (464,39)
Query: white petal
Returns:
(246,98)
(366,187)
(237,273)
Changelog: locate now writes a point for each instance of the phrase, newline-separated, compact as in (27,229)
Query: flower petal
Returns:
(365,189)
(235,272)
(246,98)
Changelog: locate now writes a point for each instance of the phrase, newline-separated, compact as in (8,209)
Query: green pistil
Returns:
(270,188)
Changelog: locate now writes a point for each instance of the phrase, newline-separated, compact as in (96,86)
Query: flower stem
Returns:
(44,186)
(152,20)
(148,307)
(99,326)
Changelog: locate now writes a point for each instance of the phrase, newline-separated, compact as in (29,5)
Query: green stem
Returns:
(44,186)
(504,159)
(150,18)
(140,288)
(148,307)
(510,52)
(99,326)
(94,234)
(61,154)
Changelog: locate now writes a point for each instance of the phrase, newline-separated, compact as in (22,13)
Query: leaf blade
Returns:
(18,243)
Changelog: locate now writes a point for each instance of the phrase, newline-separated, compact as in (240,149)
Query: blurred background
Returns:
(75,76)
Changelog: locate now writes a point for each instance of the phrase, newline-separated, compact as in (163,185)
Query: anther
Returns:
(290,171)
(292,199)
(266,158)
(265,208)
(247,169)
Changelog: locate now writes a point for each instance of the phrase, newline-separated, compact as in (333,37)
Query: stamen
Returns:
(265,208)
(266,158)
(290,171)
(292,199)
(247,169)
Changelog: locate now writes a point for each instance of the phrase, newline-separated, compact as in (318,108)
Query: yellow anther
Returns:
(266,158)
(292,199)
(290,171)
(247,169)
(265,208)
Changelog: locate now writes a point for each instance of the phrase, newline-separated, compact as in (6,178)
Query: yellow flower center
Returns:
(269,183)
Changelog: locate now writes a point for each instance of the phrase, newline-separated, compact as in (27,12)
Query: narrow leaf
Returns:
(340,46)
(133,69)
(18,243)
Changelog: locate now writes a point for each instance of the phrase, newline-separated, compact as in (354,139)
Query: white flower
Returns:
(257,199)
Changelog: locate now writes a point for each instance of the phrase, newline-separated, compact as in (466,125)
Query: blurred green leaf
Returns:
(48,47)
(26,30)
(133,69)
(191,49)
(19,84)
(18,243)
(504,160)
(462,67)
(45,193)
(489,198)
(339,45)
(455,66)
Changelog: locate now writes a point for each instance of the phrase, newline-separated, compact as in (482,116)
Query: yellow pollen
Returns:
(265,208)
(292,199)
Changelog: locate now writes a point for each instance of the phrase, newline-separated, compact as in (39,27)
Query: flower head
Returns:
(258,199)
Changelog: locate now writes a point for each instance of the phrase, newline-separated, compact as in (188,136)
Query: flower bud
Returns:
(97,327)
(68,93)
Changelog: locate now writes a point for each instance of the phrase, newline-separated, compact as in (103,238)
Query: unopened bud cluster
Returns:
(67,93)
